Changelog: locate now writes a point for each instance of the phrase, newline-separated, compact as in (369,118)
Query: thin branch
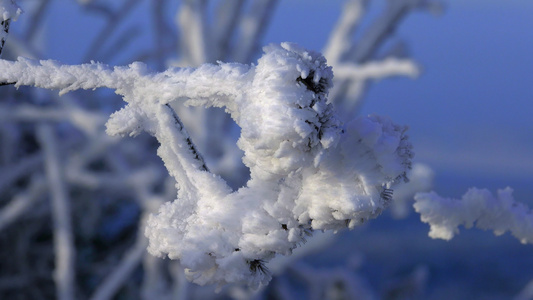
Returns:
(341,36)
(252,27)
(478,207)
(381,29)
(227,16)
(22,202)
(36,19)
(12,172)
(163,34)
(121,42)
(192,20)
(112,283)
(135,78)
(377,69)
(113,22)
(64,274)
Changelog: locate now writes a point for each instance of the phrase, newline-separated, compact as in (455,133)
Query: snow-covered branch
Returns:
(307,171)
(477,207)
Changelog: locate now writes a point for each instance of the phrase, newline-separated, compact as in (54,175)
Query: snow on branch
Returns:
(499,213)
(308,171)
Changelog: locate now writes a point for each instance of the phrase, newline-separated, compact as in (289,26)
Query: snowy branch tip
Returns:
(499,213)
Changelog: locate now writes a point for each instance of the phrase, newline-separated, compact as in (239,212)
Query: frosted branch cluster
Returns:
(479,207)
(308,171)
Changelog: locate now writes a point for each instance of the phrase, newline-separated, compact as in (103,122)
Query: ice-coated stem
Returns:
(479,207)
(207,82)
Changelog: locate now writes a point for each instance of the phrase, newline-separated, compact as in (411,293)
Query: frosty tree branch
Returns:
(477,207)
(307,172)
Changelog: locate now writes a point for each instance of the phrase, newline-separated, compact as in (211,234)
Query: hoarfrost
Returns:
(308,171)
(479,207)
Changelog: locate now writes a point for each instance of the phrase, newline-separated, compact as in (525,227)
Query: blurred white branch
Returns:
(477,207)
(195,39)
(376,70)
(252,27)
(340,40)
(131,260)
(21,203)
(64,274)
(421,179)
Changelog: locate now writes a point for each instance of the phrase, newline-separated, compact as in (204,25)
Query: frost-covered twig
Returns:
(477,207)
(64,274)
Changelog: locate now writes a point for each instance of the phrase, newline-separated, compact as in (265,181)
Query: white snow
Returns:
(500,213)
